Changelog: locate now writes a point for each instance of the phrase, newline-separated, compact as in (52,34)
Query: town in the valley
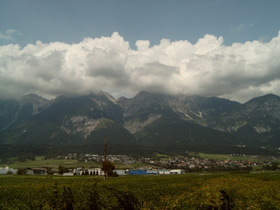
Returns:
(135,165)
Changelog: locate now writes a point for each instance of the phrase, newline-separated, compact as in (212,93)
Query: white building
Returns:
(177,171)
(164,171)
(5,170)
(68,174)
(36,171)
(94,171)
(120,172)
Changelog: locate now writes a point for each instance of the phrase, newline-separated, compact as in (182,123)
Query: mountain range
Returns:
(148,122)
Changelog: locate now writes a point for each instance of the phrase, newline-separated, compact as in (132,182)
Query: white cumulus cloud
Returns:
(209,68)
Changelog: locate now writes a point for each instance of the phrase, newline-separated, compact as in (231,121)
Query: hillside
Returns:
(145,123)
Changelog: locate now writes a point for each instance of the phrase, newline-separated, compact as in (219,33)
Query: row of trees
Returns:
(273,167)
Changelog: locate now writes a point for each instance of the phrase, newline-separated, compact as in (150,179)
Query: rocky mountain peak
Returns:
(145,117)
(37,102)
(264,105)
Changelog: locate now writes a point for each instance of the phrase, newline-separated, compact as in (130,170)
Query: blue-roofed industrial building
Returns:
(137,172)
(152,171)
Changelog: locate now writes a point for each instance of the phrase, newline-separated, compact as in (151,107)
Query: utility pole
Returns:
(105,160)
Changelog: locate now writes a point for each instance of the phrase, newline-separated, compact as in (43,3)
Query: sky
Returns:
(223,48)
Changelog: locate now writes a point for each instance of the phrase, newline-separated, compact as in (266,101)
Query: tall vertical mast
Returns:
(105,160)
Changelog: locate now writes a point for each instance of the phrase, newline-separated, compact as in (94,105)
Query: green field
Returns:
(187,191)
(230,157)
(39,162)
(51,163)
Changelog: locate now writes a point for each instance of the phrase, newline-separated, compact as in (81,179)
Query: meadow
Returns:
(234,158)
(69,163)
(186,191)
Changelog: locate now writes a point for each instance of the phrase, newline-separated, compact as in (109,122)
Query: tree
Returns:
(110,167)
(22,171)
(49,171)
(274,166)
(9,173)
(62,170)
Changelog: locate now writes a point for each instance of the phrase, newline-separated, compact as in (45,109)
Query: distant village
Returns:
(152,166)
